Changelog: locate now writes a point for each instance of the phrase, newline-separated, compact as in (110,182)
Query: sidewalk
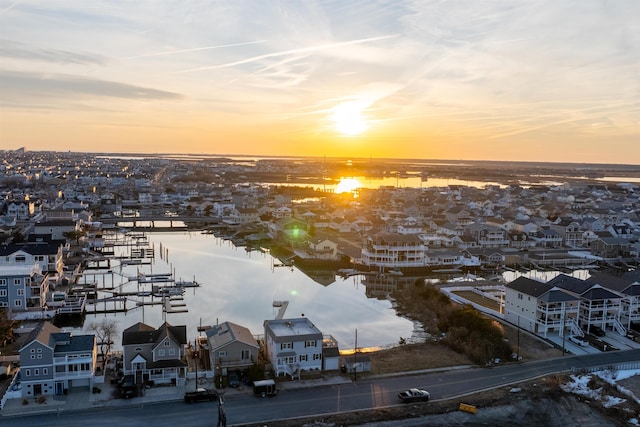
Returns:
(83,399)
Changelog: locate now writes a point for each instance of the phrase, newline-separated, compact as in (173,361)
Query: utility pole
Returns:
(564,332)
(195,360)
(518,337)
(355,359)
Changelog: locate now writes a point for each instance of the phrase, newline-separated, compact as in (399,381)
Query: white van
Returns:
(578,340)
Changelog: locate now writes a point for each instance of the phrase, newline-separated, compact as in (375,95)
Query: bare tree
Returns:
(105,331)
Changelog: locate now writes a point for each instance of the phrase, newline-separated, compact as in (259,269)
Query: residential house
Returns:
(322,248)
(56,362)
(22,287)
(627,284)
(541,308)
(393,250)
(609,247)
(231,347)
(599,306)
(56,228)
(155,354)
(487,236)
(293,345)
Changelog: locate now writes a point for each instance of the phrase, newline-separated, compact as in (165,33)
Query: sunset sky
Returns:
(495,80)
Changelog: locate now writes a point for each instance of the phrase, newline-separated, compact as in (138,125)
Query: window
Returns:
(3,282)
(21,258)
(17,282)
(20,292)
(519,296)
(290,359)
(304,357)
(137,349)
(286,346)
(28,372)
(245,355)
(33,357)
(317,356)
(161,352)
(172,352)
(3,292)
(309,344)
(45,371)
(167,343)
(17,302)
(222,354)
(39,356)
(36,372)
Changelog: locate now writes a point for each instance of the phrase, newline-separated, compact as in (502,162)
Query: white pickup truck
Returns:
(414,395)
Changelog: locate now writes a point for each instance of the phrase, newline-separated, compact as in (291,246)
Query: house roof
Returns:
(68,343)
(48,334)
(627,283)
(298,329)
(141,333)
(558,295)
(228,332)
(529,286)
(597,292)
(43,334)
(570,283)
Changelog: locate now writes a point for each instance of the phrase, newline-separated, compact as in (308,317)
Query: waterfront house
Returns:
(599,306)
(231,347)
(22,287)
(393,250)
(56,362)
(154,354)
(293,345)
(628,285)
(540,307)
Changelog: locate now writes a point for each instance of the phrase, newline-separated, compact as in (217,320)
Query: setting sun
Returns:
(347,185)
(348,118)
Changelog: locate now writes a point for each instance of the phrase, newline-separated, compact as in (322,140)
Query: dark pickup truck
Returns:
(200,395)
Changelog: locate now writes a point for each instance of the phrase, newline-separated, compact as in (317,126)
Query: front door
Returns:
(37,389)
(59,388)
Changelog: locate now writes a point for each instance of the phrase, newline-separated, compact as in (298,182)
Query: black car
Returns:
(201,394)
(233,379)
(596,330)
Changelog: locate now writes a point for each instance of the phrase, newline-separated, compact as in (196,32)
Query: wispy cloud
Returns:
(17,50)
(196,49)
(305,50)
(62,86)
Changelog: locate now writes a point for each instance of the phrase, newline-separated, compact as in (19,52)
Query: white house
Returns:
(293,345)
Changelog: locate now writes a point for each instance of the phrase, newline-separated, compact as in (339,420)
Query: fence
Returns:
(625,366)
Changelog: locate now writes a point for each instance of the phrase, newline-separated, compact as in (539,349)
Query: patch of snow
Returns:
(579,385)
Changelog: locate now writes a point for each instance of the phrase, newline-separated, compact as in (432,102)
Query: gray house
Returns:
(231,347)
(154,354)
(54,362)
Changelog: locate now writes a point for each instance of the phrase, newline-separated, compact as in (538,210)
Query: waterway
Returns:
(240,287)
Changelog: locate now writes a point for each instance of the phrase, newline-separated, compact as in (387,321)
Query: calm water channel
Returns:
(240,287)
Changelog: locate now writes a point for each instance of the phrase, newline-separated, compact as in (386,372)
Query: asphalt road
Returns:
(323,401)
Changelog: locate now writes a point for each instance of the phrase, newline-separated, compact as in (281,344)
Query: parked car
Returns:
(414,395)
(596,330)
(233,379)
(200,394)
(576,339)
(127,387)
